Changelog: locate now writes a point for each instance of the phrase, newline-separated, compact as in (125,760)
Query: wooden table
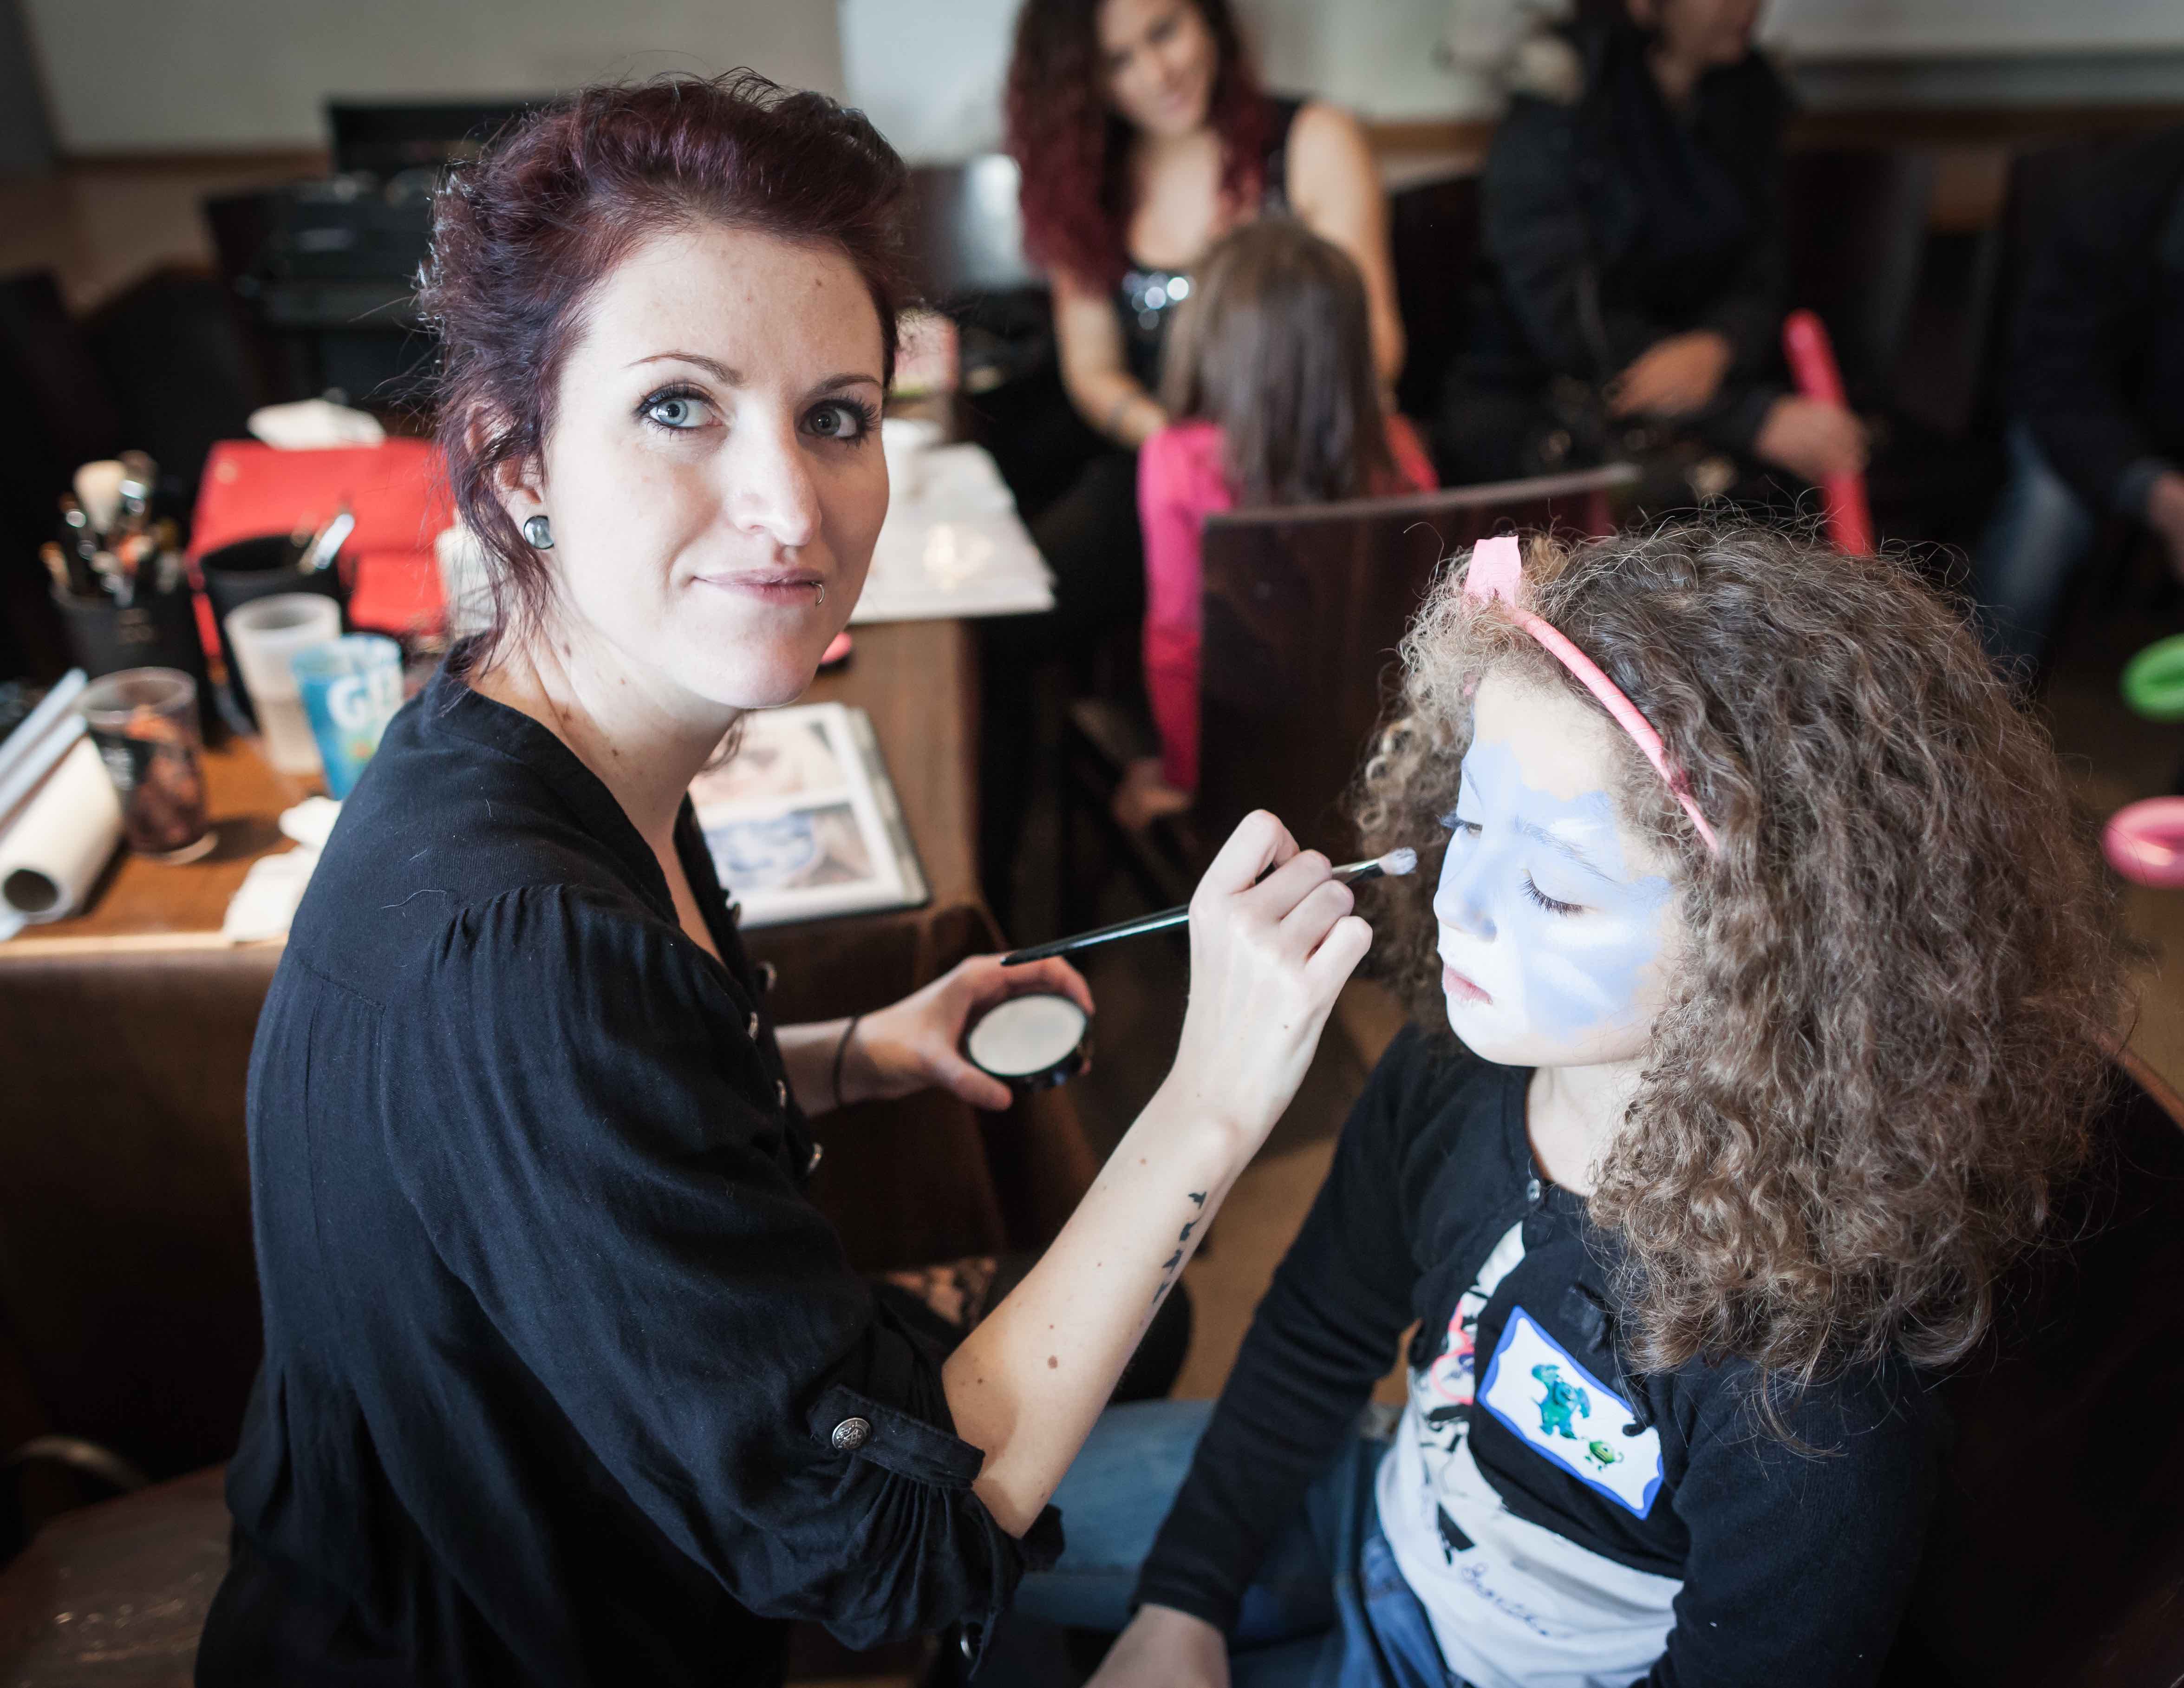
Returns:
(125,1033)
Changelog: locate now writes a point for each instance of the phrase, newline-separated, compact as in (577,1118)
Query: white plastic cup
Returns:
(265,634)
(904,442)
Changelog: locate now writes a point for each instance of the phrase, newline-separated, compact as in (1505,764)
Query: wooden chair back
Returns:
(1304,609)
(2057,1555)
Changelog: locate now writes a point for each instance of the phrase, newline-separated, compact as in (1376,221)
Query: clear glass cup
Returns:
(351,688)
(144,722)
(265,635)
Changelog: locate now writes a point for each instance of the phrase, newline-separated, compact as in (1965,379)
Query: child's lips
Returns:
(1461,988)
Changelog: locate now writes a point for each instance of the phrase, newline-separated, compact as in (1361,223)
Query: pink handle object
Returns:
(1497,568)
(2145,842)
(1812,358)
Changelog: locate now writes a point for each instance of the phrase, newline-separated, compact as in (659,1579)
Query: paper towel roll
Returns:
(55,852)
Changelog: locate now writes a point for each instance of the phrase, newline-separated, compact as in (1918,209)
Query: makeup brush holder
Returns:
(156,630)
(235,574)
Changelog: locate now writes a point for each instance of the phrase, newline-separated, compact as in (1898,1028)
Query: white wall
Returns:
(1959,29)
(127,75)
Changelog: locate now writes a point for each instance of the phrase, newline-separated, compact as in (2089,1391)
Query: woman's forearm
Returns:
(1116,405)
(808,1051)
(1026,1384)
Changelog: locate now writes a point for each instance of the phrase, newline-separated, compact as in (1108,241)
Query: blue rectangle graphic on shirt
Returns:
(1561,1410)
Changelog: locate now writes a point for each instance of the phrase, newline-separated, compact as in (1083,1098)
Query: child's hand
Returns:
(1267,958)
(1144,797)
(1164,1648)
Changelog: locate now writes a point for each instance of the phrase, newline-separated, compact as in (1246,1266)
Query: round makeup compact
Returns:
(1032,1041)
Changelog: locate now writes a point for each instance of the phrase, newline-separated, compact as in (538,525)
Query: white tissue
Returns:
(315,425)
(264,903)
(53,852)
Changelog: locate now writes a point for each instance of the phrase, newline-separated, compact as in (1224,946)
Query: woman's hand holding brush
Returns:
(1268,956)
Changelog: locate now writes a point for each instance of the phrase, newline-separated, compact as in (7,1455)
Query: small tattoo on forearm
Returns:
(1198,1196)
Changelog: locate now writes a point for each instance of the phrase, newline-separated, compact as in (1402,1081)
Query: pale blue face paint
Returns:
(1540,913)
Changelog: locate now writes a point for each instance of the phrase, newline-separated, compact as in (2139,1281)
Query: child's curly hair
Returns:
(1890,1028)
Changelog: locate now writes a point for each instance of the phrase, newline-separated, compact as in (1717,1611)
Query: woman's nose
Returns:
(773,491)
(1461,902)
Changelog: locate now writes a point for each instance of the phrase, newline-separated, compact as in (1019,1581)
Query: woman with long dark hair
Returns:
(566,1380)
(1143,136)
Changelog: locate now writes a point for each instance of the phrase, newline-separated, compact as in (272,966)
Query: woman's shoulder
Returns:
(1326,145)
(445,842)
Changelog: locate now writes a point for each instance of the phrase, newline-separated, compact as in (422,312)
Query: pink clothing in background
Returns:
(1180,481)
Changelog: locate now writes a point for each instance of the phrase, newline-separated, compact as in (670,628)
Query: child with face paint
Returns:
(1760,995)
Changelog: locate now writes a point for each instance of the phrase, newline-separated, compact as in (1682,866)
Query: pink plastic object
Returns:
(2145,842)
(1812,358)
(1497,568)
(838,650)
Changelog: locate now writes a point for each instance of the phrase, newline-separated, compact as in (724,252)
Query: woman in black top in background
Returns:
(566,1378)
(1632,260)
(1143,138)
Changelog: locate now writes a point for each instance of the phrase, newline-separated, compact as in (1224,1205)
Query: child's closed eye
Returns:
(1553,905)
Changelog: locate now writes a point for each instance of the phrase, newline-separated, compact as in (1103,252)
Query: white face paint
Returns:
(1558,923)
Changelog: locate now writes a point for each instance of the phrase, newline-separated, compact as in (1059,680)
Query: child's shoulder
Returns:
(1428,1091)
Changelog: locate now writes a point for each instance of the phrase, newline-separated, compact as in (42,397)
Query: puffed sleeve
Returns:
(595,1148)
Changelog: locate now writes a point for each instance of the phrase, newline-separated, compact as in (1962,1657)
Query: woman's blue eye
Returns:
(677,411)
(842,419)
(1553,905)
(1456,823)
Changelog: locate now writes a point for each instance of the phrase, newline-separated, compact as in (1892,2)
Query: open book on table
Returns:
(802,821)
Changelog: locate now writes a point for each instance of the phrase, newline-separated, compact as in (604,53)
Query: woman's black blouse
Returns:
(565,1381)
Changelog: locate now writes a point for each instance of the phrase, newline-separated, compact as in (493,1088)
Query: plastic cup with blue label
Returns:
(351,688)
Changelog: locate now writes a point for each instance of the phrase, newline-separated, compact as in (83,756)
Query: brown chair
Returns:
(2057,1557)
(1304,606)
(1304,609)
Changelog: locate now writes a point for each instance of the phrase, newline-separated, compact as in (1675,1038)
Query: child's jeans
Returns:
(1327,1609)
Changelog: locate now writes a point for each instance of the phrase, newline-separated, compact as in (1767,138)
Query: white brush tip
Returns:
(1398,862)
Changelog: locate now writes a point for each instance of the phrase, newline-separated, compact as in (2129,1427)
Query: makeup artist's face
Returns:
(715,460)
(1559,923)
(1158,59)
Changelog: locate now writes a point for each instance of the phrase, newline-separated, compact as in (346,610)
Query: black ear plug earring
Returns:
(540,531)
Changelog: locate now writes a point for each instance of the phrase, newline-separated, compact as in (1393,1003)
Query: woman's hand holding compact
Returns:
(1268,958)
(917,1043)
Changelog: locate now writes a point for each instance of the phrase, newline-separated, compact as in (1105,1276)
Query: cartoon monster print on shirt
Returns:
(1561,1396)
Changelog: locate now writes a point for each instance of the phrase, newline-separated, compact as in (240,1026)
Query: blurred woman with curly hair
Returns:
(1143,138)
(1762,983)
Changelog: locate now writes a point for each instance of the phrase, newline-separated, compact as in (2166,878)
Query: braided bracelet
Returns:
(842,1050)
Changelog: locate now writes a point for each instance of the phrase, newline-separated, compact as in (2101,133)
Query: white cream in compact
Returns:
(1032,1041)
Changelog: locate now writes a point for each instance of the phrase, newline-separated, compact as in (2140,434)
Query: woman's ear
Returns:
(518,480)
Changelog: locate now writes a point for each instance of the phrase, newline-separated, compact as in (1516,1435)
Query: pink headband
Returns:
(1497,566)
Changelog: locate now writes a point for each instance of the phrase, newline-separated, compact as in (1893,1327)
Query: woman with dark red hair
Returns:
(566,1380)
(1143,136)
